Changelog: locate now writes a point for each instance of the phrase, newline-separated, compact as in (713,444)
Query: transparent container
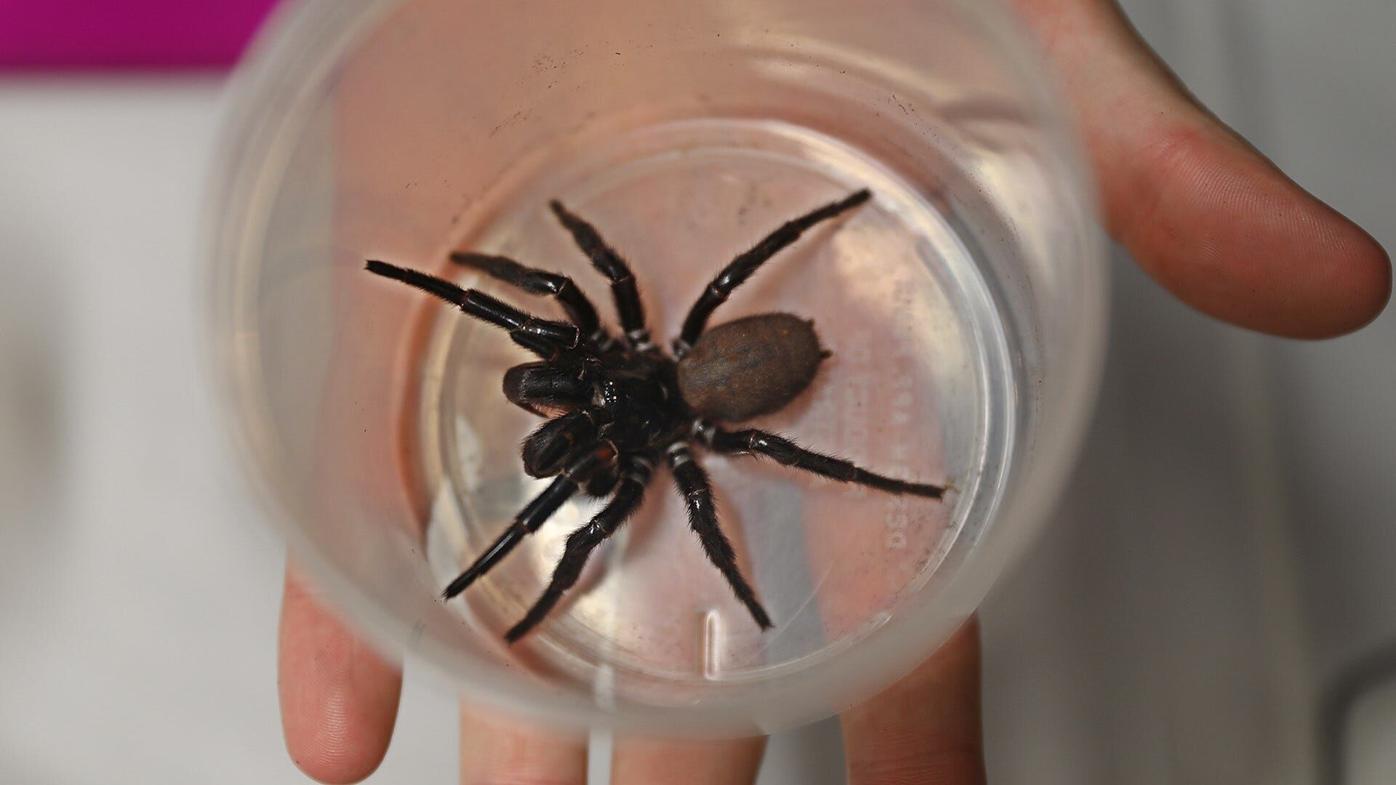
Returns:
(963,306)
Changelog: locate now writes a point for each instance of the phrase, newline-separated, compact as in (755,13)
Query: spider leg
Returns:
(702,518)
(555,384)
(787,452)
(534,514)
(534,281)
(583,541)
(739,269)
(541,347)
(526,329)
(611,265)
(555,443)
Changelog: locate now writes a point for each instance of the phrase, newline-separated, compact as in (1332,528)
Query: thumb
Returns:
(1205,214)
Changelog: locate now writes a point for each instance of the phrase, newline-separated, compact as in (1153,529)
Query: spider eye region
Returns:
(749,367)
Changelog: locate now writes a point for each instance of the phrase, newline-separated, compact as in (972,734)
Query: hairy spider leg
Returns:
(605,259)
(534,281)
(548,449)
(526,329)
(739,269)
(787,452)
(536,384)
(702,518)
(583,541)
(534,514)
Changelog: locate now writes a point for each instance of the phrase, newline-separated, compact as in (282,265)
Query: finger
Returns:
(1202,211)
(664,762)
(925,728)
(495,750)
(339,698)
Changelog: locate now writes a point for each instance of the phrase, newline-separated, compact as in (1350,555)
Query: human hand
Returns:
(339,702)
(1205,214)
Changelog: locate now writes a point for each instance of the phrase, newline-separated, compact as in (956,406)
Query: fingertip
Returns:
(644,761)
(339,698)
(1230,234)
(1361,289)
(926,728)
(498,748)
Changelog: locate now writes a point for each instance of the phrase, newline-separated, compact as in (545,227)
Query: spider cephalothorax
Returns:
(620,406)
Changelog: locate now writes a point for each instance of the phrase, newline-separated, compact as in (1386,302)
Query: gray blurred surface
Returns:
(138,591)
(1217,573)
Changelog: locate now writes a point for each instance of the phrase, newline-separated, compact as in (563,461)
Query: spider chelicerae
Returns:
(619,406)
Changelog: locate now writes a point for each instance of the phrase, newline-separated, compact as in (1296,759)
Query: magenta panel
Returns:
(145,34)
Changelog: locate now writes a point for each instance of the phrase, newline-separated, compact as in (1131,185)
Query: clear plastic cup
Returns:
(963,306)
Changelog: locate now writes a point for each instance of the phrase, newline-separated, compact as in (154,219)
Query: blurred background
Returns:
(1215,601)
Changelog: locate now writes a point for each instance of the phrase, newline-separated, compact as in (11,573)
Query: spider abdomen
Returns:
(750,366)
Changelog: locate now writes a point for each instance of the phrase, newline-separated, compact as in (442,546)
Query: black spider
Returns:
(619,406)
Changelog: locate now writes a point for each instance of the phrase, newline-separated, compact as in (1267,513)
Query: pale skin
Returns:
(1206,215)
